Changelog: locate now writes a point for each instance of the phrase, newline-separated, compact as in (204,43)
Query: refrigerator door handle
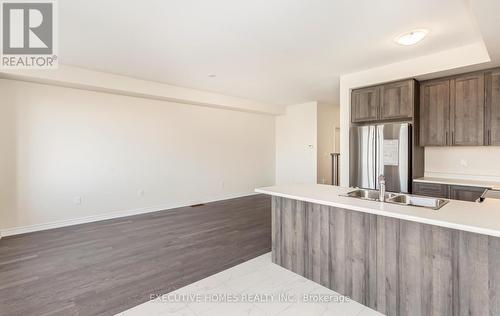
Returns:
(375,160)
(374,141)
(379,168)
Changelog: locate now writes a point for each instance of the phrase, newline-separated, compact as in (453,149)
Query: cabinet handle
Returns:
(453,138)
(489,137)
(446,135)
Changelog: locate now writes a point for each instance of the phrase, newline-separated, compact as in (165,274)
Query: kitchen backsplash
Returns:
(463,162)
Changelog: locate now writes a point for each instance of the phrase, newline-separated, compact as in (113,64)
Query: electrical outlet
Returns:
(463,163)
(78,200)
(140,193)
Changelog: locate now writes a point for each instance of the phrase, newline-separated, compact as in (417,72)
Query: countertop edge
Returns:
(472,229)
(458,182)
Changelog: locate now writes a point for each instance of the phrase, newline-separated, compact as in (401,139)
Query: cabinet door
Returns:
(430,189)
(397,100)
(434,113)
(492,123)
(465,193)
(365,104)
(467,111)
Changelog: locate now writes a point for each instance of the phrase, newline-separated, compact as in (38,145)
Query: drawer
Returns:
(430,189)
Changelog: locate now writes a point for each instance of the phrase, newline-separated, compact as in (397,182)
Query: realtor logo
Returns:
(28,30)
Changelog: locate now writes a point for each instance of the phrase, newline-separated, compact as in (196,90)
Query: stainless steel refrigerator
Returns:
(381,149)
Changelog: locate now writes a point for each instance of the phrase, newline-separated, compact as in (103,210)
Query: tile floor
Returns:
(255,287)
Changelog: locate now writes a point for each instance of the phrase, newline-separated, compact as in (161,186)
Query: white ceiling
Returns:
(275,51)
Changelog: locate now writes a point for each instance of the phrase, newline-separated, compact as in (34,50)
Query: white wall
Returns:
(70,76)
(463,162)
(58,143)
(468,55)
(296,141)
(328,120)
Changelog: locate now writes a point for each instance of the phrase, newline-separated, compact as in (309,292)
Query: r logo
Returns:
(27,28)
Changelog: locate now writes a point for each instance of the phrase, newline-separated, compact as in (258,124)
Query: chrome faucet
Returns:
(381,182)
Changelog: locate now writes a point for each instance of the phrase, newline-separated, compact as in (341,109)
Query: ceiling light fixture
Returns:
(412,38)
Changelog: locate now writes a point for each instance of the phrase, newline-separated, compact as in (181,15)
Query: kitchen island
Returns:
(399,260)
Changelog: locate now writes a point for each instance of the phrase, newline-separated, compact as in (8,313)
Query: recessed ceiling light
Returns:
(212,76)
(412,38)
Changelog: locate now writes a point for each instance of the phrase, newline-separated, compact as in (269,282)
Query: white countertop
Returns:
(481,218)
(462,182)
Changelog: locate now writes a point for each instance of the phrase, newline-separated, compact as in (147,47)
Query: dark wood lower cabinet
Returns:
(431,189)
(465,193)
(394,266)
(454,192)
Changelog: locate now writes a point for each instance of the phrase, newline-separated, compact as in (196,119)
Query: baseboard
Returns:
(110,215)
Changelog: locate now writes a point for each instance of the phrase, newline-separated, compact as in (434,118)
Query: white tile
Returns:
(240,283)
(257,276)
(343,308)
(300,309)
(337,303)
(183,312)
(207,304)
(259,264)
(274,308)
(203,285)
(234,309)
(300,287)
(155,307)
(273,281)
(369,312)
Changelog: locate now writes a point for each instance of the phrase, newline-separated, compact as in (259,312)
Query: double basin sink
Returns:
(398,198)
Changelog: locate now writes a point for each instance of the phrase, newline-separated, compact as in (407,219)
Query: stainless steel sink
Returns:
(398,198)
(421,201)
(372,195)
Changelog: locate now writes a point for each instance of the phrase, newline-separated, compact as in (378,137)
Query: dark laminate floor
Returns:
(107,267)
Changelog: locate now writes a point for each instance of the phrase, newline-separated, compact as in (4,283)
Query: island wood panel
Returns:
(494,272)
(276,230)
(395,266)
(387,266)
(337,239)
(318,257)
(293,239)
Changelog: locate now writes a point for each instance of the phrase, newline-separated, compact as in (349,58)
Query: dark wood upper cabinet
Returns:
(492,108)
(435,113)
(467,110)
(384,102)
(462,110)
(397,100)
(365,104)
